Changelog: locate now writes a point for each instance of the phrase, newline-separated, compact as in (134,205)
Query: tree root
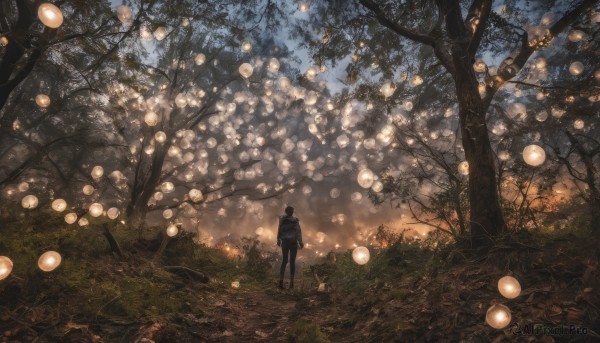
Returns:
(187,272)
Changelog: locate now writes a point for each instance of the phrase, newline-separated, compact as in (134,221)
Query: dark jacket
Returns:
(289,229)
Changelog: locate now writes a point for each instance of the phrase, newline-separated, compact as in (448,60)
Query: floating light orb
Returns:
(416,80)
(540,63)
(503,155)
(172,230)
(516,110)
(246,70)
(361,255)
(235,284)
(29,201)
(479,66)
(274,65)
(160,33)
(576,68)
(579,124)
(83,222)
(388,89)
(356,196)
(124,14)
(167,187)
(88,189)
(97,172)
(96,210)
(576,35)
(334,193)
(113,213)
(49,261)
(377,186)
(303,7)
(59,205)
(534,155)
(284,83)
(365,178)
(160,136)
(50,15)
(498,316)
(167,214)
(200,59)
(151,118)
(195,195)
(463,168)
(509,287)
(246,46)
(70,218)
(3,41)
(541,116)
(6,266)
(342,141)
(42,100)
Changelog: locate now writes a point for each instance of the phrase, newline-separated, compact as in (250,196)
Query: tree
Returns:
(458,35)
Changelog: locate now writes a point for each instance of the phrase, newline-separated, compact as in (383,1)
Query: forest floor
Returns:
(409,291)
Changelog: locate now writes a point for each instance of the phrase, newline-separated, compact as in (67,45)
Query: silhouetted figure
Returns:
(289,238)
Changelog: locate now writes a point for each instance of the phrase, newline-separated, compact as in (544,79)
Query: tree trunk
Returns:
(114,245)
(486,219)
(161,250)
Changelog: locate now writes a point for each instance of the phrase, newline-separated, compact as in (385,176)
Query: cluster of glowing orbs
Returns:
(172,230)
(151,118)
(42,100)
(246,70)
(388,89)
(498,316)
(6,266)
(463,168)
(59,205)
(97,172)
(365,178)
(49,261)
(29,201)
(113,213)
(361,255)
(96,210)
(509,287)
(534,155)
(70,218)
(160,33)
(576,68)
(50,15)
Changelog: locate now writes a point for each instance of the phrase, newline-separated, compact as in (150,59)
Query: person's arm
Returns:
(299,235)
(279,232)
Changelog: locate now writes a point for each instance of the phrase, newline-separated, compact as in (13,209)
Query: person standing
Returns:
(289,238)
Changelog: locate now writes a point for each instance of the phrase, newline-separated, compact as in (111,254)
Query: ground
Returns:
(409,291)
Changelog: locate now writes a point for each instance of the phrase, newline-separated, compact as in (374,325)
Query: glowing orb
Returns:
(498,316)
(50,15)
(172,230)
(534,155)
(246,70)
(366,178)
(42,100)
(59,205)
(509,287)
(49,261)
(361,255)
(463,168)
(29,201)
(70,218)
(96,209)
(6,266)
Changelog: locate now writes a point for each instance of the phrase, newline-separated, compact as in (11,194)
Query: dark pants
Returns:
(289,249)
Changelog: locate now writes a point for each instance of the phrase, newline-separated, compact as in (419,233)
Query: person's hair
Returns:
(289,210)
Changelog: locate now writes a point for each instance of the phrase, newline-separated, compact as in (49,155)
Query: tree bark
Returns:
(114,245)
(486,219)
